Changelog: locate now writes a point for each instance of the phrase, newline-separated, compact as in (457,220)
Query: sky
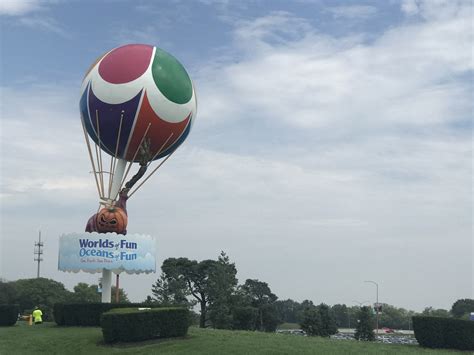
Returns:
(332,144)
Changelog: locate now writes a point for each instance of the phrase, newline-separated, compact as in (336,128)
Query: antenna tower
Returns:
(38,253)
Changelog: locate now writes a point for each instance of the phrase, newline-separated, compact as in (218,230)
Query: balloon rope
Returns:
(159,165)
(133,159)
(158,152)
(131,194)
(98,152)
(113,159)
(161,148)
(90,155)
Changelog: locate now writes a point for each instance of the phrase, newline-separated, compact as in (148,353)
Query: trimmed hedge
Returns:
(9,314)
(127,325)
(449,333)
(86,314)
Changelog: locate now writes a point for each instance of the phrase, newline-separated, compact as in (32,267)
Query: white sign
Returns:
(92,252)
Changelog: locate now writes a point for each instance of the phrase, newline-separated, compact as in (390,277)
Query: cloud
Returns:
(19,7)
(392,80)
(45,24)
(436,9)
(353,11)
(32,13)
(308,150)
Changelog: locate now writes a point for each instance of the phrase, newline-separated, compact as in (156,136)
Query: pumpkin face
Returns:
(111,219)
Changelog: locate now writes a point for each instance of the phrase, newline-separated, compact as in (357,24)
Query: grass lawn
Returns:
(51,339)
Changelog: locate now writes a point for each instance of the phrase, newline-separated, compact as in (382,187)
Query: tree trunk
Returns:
(202,319)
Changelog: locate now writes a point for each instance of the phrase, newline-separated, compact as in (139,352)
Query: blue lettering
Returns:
(127,245)
(127,256)
(83,242)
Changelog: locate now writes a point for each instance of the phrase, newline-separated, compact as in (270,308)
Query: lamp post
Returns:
(376,304)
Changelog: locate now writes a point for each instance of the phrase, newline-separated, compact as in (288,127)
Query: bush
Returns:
(8,314)
(130,324)
(86,314)
(437,332)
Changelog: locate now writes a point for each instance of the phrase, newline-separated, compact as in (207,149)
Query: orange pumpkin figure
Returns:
(111,219)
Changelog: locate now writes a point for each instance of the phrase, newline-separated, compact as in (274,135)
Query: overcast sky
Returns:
(332,143)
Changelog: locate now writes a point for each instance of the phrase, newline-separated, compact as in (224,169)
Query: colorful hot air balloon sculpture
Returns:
(137,105)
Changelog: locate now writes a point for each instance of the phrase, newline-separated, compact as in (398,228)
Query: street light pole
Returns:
(377,304)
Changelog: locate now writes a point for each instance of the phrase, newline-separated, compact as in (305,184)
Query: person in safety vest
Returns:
(37,316)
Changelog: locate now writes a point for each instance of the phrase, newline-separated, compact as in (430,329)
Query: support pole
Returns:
(118,175)
(116,185)
(106,286)
(117,288)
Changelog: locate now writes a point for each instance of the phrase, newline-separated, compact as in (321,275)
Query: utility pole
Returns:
(38,253)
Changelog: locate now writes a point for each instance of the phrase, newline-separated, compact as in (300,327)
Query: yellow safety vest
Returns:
(37,315)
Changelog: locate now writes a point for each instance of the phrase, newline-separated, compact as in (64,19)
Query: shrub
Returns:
(131,324)
(8,314)
(437,332)
(86,314)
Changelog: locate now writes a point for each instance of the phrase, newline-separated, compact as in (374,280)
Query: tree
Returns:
(328,324)
(431,312)
(244,317)
(365,325)
(85,293)
(318,320)
(170,292)
(288,311)
(123,298)
(8,294)
(260,296)
(210,282)
(341,315)
(462,307)
(222,285)
(40,292)
(195,276)
(311,321)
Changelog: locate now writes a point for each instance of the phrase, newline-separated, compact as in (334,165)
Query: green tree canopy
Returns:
(8,293)
(365,325)
(40,292)
(259,295)
(86,293)
(328,324)
(311,321)
(432,312)
(462,307)
(170,292)
(210,282)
